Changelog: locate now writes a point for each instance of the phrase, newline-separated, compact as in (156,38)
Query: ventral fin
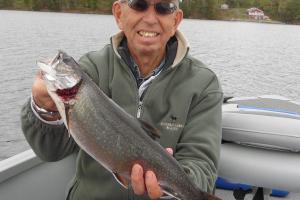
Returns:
(65,116)
(119,180)
(150,130)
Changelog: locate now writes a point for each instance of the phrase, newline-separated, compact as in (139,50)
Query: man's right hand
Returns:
(41,96)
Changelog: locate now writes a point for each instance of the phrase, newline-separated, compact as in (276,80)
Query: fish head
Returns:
(60,73)
(62,76)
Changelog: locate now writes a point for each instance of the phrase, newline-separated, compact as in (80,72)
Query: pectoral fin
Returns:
(150,130)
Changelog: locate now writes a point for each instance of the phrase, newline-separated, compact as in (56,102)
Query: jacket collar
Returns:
(182,49)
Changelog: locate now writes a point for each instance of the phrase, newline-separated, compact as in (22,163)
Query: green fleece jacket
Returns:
(183,103)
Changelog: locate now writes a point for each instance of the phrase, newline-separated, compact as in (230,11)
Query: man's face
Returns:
(147,32)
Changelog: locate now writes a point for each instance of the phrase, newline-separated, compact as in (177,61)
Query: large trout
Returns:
(107,133)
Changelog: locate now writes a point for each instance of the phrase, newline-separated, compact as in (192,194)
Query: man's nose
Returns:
(150,15)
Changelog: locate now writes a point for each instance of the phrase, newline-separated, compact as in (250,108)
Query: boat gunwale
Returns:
(18,164)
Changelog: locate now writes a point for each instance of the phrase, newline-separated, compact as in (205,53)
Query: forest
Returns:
(287,11)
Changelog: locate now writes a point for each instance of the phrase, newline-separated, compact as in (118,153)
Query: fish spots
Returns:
(118,141)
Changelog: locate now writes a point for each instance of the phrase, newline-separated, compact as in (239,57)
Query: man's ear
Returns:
(117,12)
(178,17)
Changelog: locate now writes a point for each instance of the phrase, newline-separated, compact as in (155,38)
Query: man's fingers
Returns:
(40,94)
(170,151)
(137,180)
(153,188)
(140,184)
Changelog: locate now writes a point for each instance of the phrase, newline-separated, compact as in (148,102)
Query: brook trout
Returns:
(108,133)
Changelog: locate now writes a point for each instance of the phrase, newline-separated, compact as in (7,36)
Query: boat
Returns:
(261,143)
(269,121)
(25,177)
(260,148)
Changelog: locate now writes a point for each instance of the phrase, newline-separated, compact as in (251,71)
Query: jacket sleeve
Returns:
(198,150)
(51,142)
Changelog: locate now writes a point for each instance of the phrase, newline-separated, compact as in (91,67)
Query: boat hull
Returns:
(261,142)
(260,167)
(268,122)
(26,177)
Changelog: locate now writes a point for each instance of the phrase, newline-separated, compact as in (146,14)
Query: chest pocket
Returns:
(169,117)
(170,124)
(171,128)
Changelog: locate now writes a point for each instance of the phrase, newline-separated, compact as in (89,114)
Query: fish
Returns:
(110,135)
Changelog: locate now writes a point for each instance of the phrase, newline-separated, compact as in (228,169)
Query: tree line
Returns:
(59,5)
(283,10)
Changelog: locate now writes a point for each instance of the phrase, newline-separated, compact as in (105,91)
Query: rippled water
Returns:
(249,58)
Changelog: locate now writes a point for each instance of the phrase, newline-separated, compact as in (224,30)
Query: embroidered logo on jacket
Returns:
(171,126)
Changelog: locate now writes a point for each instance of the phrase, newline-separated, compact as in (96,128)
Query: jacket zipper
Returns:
(139,100)
(140,103)
(139,110)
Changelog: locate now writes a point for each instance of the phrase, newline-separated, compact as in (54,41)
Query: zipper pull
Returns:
(139,111)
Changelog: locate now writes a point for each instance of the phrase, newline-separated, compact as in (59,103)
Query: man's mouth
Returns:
(148,34)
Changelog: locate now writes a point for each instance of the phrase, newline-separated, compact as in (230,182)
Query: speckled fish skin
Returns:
(117,140)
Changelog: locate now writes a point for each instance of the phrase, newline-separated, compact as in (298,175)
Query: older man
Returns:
(146,70)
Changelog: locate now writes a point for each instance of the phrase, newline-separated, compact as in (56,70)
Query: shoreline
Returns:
(109,13)
(258,21)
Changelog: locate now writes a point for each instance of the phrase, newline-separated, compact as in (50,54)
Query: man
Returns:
(146,70)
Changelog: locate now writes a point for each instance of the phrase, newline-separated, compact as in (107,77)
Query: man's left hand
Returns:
(148,184)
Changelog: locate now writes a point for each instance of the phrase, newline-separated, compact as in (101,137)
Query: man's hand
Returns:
(148,184)
(42,99)
(40,94)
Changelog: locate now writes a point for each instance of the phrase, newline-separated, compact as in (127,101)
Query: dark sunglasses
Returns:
(162,7)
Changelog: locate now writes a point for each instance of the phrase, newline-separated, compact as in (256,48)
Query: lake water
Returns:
(249,58)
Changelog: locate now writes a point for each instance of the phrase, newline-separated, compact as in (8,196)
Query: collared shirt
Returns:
(144,82)
(136,71)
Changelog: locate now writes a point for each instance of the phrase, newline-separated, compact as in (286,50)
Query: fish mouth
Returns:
(47,66)
(68,94)
(58,74)
(48,73)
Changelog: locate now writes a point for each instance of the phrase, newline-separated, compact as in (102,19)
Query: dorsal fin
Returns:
(150,130)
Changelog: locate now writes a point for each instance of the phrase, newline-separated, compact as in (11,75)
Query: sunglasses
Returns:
(162,7)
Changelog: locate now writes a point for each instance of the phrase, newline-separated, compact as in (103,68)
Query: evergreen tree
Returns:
(290,11)
(54,5)
(231,3)
(36,5)
(6,3)
(211,11)
(27,3)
